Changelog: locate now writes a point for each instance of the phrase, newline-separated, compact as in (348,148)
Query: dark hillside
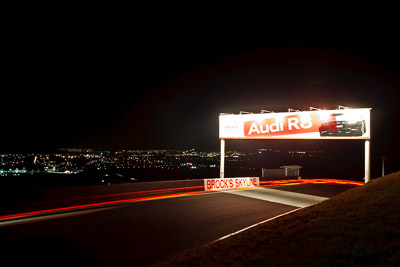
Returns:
(358,227)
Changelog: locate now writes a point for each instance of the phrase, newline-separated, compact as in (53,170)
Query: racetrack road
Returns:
(143,233)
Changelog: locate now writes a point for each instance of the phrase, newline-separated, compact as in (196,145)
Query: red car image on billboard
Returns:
(338,125)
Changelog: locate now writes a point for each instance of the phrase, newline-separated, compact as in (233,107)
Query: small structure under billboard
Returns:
(291,170)
(319,124)
(282,172)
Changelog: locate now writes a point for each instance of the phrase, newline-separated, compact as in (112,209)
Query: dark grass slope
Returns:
(360,227)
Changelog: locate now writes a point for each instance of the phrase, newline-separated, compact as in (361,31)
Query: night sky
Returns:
(163,85)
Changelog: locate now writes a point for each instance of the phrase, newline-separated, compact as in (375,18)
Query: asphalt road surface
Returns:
(143,233)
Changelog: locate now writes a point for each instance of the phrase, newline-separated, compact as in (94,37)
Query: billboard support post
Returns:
(367,163)
(222,160)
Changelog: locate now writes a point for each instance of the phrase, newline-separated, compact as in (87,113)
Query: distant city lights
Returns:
(75,161)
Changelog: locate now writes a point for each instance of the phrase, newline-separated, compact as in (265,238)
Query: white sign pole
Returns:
(222,160)
(367,163)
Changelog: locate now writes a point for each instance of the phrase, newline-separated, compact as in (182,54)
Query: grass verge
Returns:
(358,227)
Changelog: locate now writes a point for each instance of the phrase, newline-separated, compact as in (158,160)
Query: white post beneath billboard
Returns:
(222,160)
(367,163)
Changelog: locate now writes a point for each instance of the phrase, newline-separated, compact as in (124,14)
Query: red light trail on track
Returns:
(94,205)
(147,198)
(308,181)
(145,192)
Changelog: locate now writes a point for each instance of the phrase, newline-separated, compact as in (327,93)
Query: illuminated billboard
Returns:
(321,124)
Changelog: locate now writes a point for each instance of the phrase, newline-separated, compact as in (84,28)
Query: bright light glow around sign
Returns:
(324,115)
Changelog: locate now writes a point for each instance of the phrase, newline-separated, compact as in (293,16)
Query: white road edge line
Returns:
(254,225)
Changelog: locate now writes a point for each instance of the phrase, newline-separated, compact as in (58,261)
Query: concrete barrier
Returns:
(99,190)
(22,199)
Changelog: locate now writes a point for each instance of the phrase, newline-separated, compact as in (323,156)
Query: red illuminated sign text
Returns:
(230,183)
